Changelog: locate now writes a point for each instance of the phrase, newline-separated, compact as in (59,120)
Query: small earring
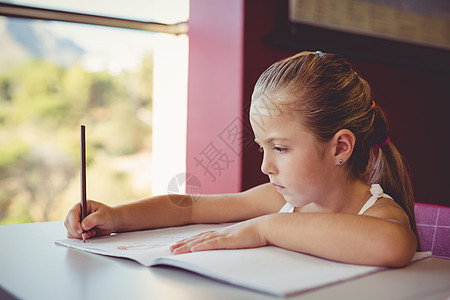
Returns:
(341,161)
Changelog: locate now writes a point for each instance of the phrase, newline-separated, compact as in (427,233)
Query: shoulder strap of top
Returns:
(375,190)
(377,193)
(287,208)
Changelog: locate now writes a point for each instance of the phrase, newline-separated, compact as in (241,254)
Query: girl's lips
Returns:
(278,187)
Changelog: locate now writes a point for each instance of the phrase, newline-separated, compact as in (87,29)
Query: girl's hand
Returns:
(245,234)
(101,220)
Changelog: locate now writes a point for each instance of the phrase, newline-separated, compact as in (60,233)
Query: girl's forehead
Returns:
(268,125)
(265,106)
(267,109)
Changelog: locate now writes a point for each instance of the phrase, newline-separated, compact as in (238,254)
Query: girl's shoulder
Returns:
(386,208)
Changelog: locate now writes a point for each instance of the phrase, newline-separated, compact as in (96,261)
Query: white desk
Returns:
(33,267)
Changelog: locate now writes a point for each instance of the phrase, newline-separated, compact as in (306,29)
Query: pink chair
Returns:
(433,228)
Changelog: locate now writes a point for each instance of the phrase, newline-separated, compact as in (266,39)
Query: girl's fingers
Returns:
(72,222)
(90,221)
(192,238)
(188,245)
(212,244)
(241,235)
(71,236)
(88,227)
(90,233)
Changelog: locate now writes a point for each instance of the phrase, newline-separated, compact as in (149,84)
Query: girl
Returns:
(327,154)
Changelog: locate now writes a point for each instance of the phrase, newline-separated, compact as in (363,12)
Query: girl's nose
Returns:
(267,166)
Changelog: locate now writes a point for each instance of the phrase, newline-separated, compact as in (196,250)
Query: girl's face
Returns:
(295,164)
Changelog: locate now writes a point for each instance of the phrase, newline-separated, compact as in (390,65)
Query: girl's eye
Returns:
(260,150)
(280,149)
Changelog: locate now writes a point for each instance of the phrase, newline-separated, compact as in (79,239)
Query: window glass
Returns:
(55,76)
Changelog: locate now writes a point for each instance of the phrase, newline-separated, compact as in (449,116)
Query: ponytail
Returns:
(388,168)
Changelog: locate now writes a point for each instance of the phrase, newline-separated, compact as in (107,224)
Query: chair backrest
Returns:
(433,228)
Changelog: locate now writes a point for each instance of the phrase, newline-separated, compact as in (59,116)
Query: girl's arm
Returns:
(257,201)
(368,239)
(162,211)
(379,237)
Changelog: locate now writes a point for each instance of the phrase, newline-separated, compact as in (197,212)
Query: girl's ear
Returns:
(344,143)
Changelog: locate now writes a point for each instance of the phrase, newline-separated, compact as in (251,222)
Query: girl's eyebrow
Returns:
(270,140)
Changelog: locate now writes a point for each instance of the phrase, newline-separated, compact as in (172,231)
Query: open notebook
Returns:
(268,269)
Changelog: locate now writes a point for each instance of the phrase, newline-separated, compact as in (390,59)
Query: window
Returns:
(126,85)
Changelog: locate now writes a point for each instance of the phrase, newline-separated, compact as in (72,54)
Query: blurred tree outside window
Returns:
(54,77)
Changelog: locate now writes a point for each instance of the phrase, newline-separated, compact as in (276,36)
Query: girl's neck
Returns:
(346,197)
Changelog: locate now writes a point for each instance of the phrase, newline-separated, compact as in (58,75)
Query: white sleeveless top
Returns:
(375,190)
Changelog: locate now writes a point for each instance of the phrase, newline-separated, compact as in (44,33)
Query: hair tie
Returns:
(320,53)
(384,143)
(373,104)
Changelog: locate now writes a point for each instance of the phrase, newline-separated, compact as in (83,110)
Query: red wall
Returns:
(215,94)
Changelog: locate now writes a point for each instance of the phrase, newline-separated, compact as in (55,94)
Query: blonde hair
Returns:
(326,95)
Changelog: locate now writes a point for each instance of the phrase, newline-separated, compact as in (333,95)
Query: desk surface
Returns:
(33,267)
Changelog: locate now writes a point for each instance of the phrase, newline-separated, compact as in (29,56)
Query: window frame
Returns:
(30,12)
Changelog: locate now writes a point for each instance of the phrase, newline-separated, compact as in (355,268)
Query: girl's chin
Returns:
(295,201)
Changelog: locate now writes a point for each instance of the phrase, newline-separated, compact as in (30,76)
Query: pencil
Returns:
(83,177)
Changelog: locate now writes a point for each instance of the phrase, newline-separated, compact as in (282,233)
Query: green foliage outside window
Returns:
(41,108)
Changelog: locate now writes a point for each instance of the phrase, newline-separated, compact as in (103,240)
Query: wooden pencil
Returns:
(83,177)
